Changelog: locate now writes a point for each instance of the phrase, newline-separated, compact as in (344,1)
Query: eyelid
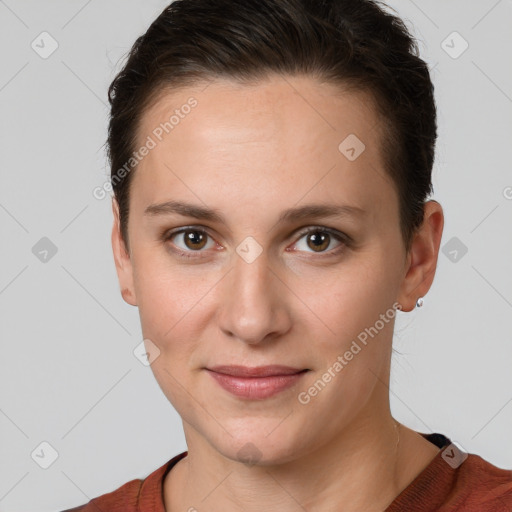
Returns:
(334,232)
(298,234)
(167,235)
(345,240)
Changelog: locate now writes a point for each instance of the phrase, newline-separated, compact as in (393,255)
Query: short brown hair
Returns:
(354,43)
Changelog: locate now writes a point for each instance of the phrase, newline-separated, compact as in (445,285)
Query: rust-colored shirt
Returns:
(454,481)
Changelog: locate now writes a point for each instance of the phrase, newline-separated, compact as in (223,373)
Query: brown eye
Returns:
(322,240)
(318,240)
(194,239)
(190,240)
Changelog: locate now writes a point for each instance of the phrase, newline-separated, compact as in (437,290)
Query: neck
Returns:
(363,469)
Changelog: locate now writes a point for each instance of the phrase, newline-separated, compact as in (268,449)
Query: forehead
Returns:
(279,134)
(261,104)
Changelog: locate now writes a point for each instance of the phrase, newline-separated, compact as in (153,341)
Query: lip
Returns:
(255,371)
(256,383)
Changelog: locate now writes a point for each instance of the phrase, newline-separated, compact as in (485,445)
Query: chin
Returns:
(259,449)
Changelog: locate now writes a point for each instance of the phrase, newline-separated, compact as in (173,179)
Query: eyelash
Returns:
(345,240)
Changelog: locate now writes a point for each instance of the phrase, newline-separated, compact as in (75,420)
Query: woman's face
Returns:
(244,284)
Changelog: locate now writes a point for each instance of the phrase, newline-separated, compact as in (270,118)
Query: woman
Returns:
(271,163)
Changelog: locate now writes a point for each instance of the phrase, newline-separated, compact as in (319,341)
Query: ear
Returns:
(122,259)
(422,258)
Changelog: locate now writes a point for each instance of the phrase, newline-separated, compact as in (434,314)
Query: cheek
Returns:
(171,312)
(169,301)
(346,384)
(352,295)
(169,308)
(357,311)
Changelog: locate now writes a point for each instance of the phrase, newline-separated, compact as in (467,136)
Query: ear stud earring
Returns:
(419,302)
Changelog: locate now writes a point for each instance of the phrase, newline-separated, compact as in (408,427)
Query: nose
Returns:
(253,303)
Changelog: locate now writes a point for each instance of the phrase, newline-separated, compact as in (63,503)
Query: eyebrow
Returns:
(309,211)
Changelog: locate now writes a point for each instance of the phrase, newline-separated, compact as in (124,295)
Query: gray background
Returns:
(68,375)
